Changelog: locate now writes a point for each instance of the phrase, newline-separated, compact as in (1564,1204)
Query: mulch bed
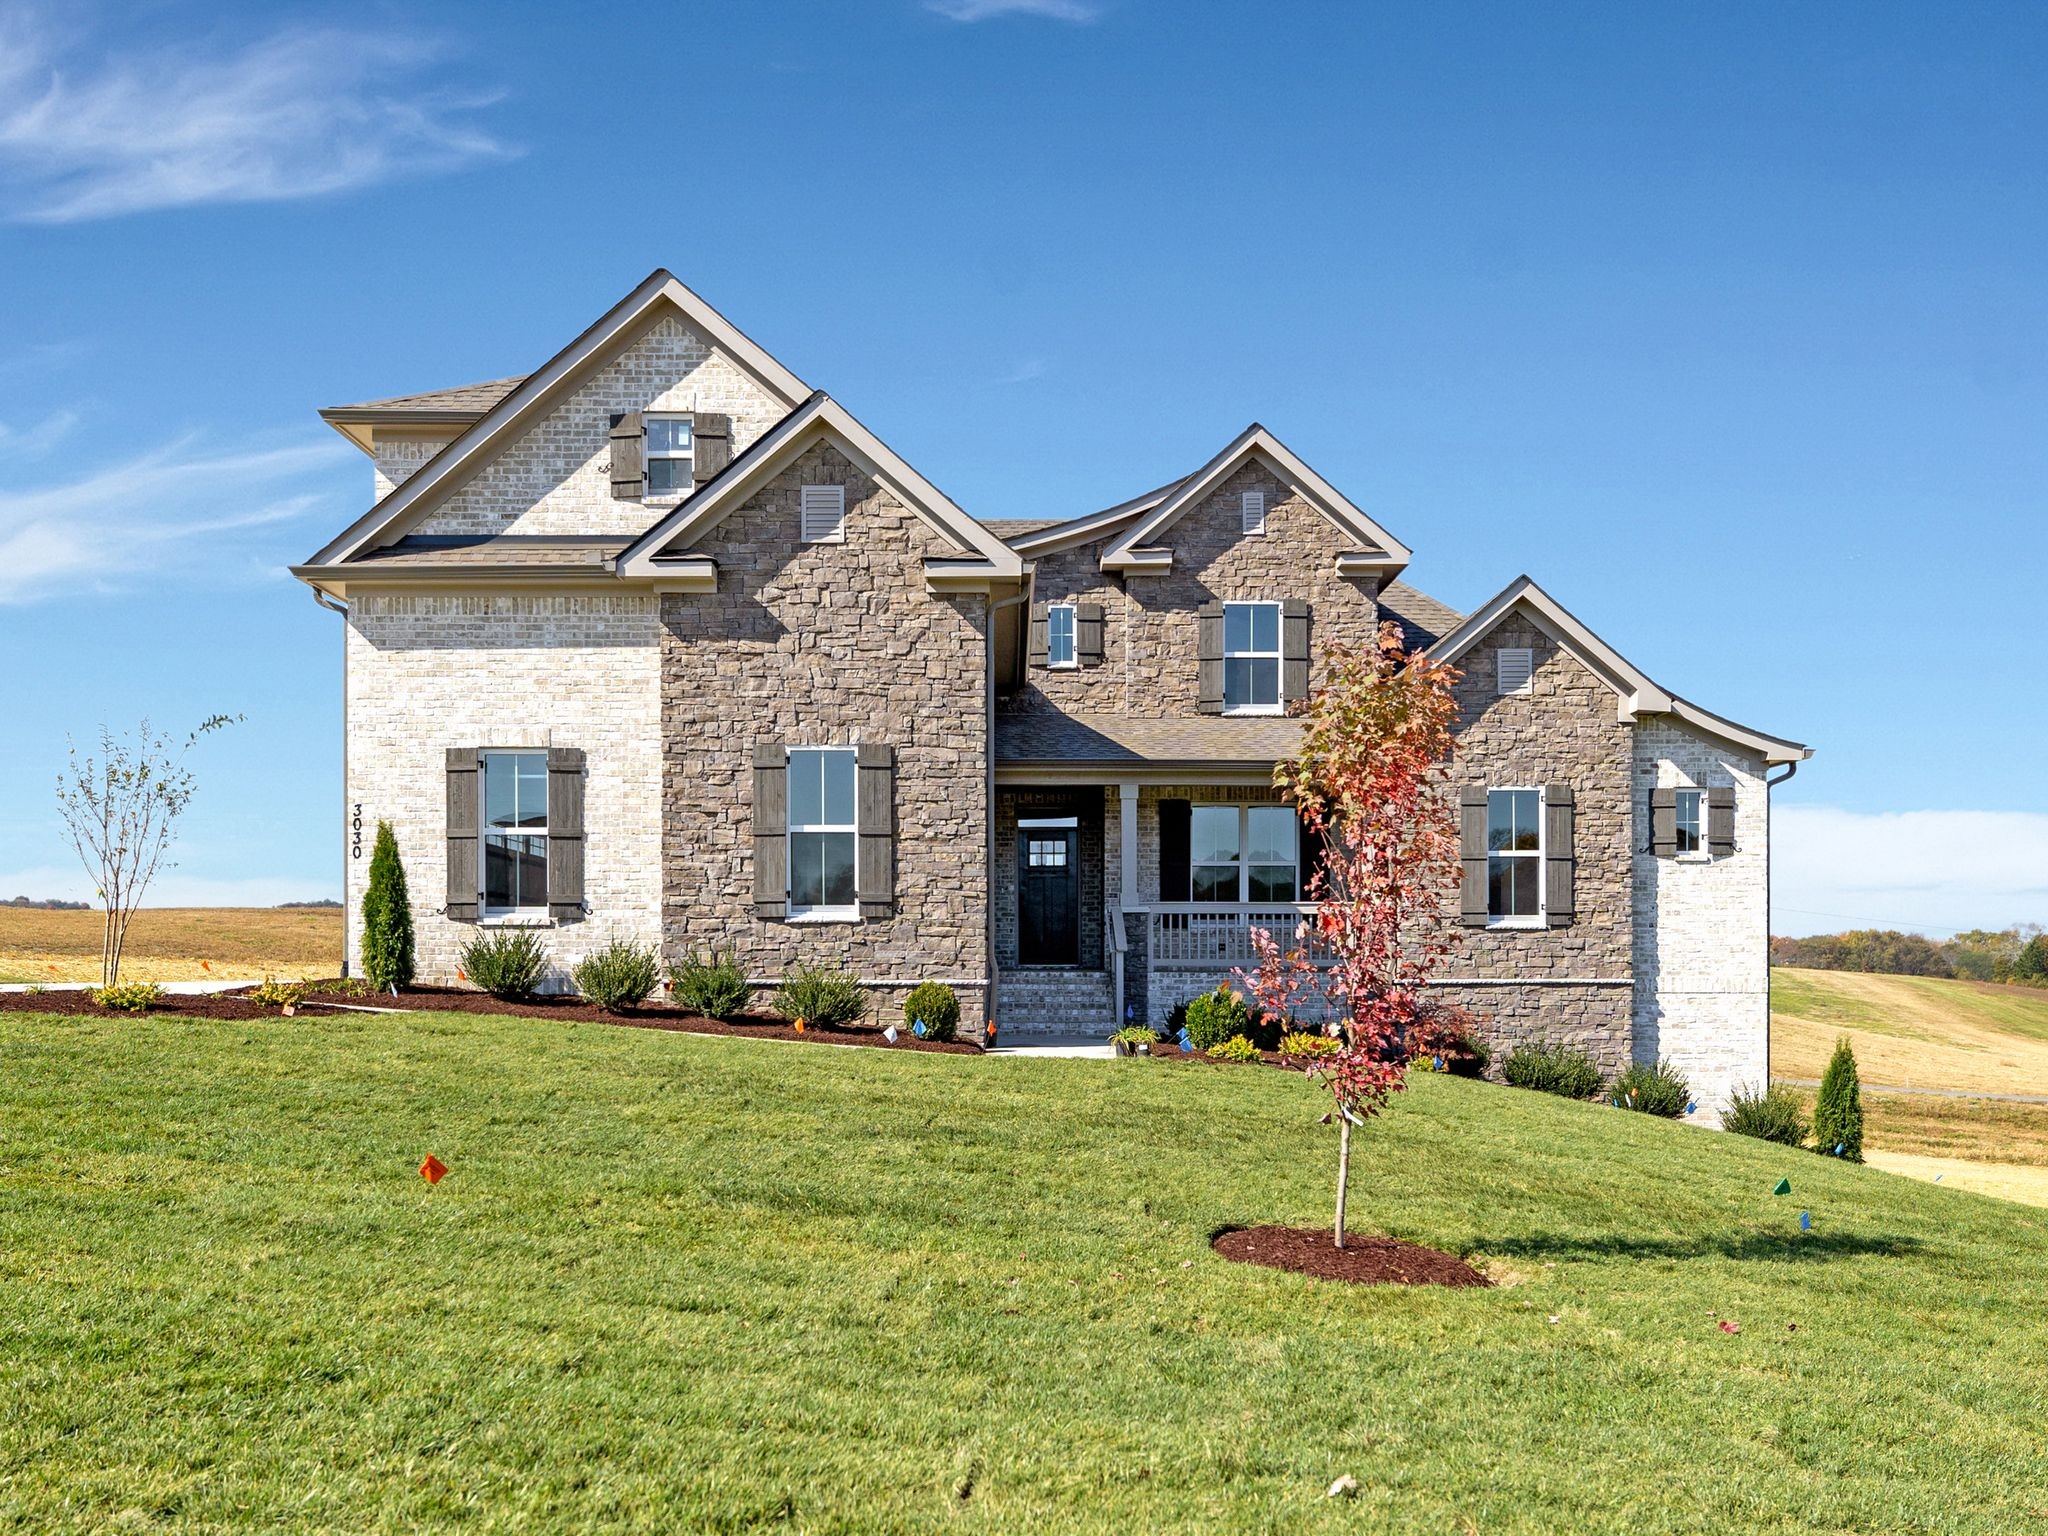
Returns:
(1362,1260)
(570,1010)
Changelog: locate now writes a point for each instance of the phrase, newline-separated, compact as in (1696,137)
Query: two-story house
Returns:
(658,641)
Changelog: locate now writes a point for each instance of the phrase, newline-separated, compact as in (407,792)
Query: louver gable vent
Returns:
(824,514)
(1254,511)
(1514,667)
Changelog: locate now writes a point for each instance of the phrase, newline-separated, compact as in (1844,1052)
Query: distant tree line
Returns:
(49,904)
(324,901)
(2015,954)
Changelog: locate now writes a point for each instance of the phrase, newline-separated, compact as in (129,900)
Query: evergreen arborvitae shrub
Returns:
(387,917)
(1838,1111)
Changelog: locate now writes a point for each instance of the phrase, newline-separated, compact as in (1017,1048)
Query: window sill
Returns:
(822,915)
(1063,666)
(525,918)
(1255,712)
(1517,924)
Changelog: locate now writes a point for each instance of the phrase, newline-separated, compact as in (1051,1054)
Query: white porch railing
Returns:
(1206,937)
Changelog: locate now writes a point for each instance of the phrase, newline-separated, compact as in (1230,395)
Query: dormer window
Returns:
(1251,658)
(1254,511)
(1514,669)
(668,455)
(824,514)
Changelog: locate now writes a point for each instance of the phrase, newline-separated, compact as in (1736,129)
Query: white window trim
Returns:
(821,495)
(648,455)
(506,917)
(1244,864)
(1279,704)
(1253,512)
(1073,613)
(1542,853)
(791,826)
(1528,684)
(1705,852)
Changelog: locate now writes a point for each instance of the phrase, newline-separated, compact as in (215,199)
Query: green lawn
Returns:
(680,1284)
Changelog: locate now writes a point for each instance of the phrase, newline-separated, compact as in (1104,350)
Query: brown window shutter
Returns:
(1209,660)
(465,821)
(565,834)
(1039,646)
(1664,823)
(1558,863)
(1088,634)
(874,821)
(771,831)
(1293,650)
(710,444)
(1472,853)
(629,457)
(1176,830)
(1721,821)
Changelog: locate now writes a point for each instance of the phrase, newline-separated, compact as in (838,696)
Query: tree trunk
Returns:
(1343,1169)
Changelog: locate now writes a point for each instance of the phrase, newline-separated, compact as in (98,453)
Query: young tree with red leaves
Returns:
(1371,779)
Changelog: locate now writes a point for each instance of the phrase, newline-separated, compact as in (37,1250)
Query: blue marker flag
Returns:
(1806,1221)
(1690,1108)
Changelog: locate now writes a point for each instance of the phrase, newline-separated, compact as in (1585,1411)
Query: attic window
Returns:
(824,514)
(1515,668)
(668,455)
(1254,511)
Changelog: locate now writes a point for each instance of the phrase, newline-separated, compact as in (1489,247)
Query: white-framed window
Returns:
(824,514)
(1243,853)
(1254,511)
(1251,658)
(1514,669)
(1514,857)
(821,834)
(1689,822)
(514,845)
(1059,635)
(668,455)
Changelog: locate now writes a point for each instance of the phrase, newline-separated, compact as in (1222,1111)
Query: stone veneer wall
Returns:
(425,673)
(829,645)
(1572,983)
(556,478)
(1701,933)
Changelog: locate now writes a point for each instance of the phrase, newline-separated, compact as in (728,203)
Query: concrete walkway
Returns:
(1052,1045)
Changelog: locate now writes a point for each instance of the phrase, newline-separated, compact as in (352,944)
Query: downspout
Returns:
(1022,595)
(342,608)
(1769,785)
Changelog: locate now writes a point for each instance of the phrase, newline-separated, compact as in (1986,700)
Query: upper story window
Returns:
(1254,511)
(1243,853)
(1059,635)
(1514,856)
(1689,821)
(668,455)
(1514,669)
(1251,658)
(821,834)
(515,832)
(824,514)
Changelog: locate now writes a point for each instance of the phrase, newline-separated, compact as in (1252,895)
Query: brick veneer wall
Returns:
(426,673)
(828,645)
(399,457)
(556,478)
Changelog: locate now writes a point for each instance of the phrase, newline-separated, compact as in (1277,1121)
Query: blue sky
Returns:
(1727,323)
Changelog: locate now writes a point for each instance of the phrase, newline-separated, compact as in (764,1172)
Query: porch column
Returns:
(1127,845)
(1134,983)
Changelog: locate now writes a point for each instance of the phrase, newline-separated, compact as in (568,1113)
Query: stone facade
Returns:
(829,645)
(556,478)
(426,673)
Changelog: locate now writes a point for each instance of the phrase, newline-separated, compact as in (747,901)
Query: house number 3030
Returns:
(355,830)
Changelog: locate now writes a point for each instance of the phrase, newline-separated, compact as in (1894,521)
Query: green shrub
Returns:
(1303,1043)
(1236,1048)
(1770,1115)
(1217,1016)
(278,994)
(619,976)
(387,917)
(1838,1110)
(1654,1089)
(506,962)
(129,996)
(819,997)
(714,985)
(1468,1056)
(933,1004)
(1558,1069)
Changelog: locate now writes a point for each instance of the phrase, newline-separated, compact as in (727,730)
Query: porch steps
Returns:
(1054,1003)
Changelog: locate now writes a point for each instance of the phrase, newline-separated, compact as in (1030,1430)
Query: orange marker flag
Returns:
(433,1170)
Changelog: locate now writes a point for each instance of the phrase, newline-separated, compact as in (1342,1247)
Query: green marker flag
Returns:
(1784,1187)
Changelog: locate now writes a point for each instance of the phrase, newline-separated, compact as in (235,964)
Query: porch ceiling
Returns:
(1043,746)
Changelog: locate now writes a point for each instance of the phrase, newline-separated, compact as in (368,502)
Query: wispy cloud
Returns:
(989,10)
(32,442)
(169,511)
(1027,370)
(300,113)
(1931,872)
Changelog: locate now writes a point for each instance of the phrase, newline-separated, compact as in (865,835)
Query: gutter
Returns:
(332,606)
(1769,785)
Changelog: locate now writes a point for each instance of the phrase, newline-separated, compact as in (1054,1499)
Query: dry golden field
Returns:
(174,944)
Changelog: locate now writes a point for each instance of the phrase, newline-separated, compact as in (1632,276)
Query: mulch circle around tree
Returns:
(1362,1260)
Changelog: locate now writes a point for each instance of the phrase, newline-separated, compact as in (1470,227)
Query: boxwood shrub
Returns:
(934,1005)
(1560,1069)
(1774,1114)
(508,963)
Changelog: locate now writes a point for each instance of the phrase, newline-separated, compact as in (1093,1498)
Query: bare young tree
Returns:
(121,809)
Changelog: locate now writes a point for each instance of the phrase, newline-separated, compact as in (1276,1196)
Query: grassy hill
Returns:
(1912,1031)
(169,943)
(677,1283)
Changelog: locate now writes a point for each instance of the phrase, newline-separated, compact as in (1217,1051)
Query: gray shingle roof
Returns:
(1008,528)
(1043,736)
(1423,619)
(501,550)
(470,399)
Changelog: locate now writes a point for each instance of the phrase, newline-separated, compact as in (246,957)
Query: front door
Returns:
(1048,896)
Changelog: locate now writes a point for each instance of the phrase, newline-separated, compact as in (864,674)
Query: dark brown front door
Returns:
(1048,896)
